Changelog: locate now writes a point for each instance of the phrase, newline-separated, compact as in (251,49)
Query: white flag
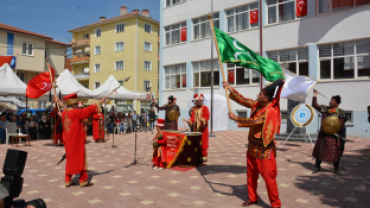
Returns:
(296,87)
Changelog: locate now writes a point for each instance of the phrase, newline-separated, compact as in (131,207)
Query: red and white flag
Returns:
(183,34)
(40,84)
(301,9)
(253,17)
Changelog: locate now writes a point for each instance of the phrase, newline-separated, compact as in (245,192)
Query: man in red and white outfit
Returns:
(74,143)
(159,147)
(80,105)
(264,122)
(199,121)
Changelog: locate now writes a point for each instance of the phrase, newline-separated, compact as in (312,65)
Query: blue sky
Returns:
(54,17)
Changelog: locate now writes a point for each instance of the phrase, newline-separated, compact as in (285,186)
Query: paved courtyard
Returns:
(220,183)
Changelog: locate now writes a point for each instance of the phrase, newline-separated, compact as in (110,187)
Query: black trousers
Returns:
(318,163)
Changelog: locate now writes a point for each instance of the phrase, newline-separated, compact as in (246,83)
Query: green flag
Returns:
(231,51)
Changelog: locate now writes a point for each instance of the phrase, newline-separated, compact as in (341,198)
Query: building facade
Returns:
(122,46)
(323,39)
(31,50)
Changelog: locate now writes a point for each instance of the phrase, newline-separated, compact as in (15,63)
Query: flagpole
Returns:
(260,22)
(54,85)
(219,60)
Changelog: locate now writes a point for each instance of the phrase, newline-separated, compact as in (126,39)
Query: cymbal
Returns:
(173,115)
(331,125)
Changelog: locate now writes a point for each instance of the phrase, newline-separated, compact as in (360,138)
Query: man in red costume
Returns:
(74,143)
(199,121)
(80,105)
(98,126)
(159,147)
(264,122)
(58,127)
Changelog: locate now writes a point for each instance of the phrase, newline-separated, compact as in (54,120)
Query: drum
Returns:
(192,152)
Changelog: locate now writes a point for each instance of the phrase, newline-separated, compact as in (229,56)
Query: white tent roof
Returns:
(10,83)
(122,93)
(68,85)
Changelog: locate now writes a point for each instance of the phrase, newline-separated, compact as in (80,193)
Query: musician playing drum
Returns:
(199,122)
(172,114)
(329,146)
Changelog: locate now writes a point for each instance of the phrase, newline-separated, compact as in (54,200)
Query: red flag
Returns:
(5,60)
(183,34)
(231,76)
(253,17)
(301,9)
(184,80)
(40,84)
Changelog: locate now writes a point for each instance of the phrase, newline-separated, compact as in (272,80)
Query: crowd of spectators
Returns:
(35,125)
(121,123)
(40,125)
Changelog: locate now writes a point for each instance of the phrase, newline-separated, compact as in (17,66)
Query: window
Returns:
(175,76)
(97,50)
(98,32)
(147,46)
(281,11)
(238,75)
(238,18)
(173,2)
(42,104)
(119,65)
(27,49)
(85,36)
(21,76)
(242,113)
(173,33)
(284,115)
(202,27)
(202,73)
(295,60)
(97,68)
(147,65)
(338,5)
(120,27)
(148,28)
(348,60)
(147,85)
(349,116)
(120,46)
(96,85)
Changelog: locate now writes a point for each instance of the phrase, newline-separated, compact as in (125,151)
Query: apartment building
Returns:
(327,40)
(122,46)
(31,50)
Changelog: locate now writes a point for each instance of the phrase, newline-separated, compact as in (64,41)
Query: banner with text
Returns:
(175,145)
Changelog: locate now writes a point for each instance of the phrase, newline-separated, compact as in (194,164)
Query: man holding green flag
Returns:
(231,51)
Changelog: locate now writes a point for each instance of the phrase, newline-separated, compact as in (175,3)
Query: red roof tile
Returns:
(15,29)
(57,42)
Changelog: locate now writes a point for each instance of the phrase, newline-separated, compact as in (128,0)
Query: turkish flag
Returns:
(40,84)
(184,80)
(301,9)
(183,34)
(231,76)
(5,60)
(253,17)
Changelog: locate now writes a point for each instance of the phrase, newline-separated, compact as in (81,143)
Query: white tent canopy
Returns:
(220,111)
(68,84)
(122,93)
(10,84)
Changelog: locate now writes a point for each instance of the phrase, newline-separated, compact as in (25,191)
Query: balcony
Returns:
(80,60)
(80,43)
(82,76)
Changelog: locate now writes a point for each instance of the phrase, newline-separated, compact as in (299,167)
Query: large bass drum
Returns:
(192,152)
